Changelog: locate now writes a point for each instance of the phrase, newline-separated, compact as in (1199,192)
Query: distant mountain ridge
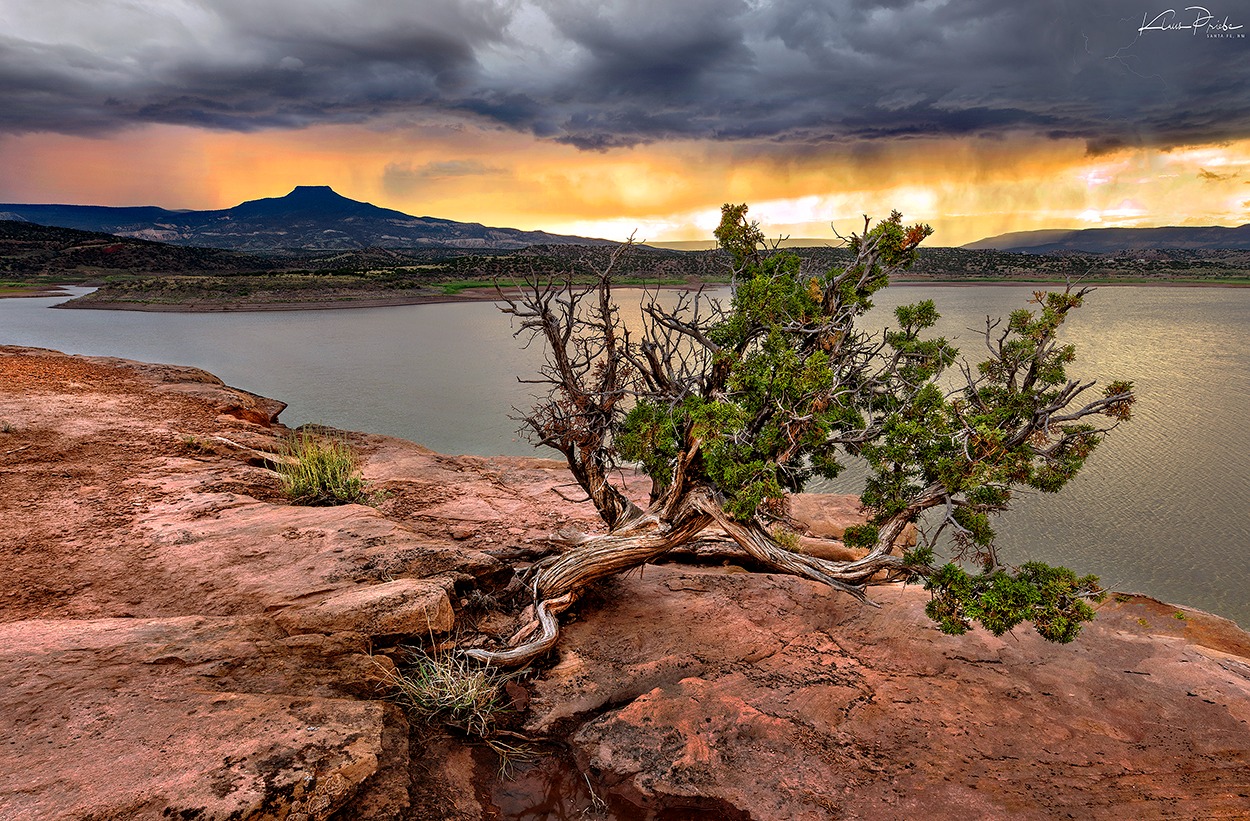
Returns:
(311,217)
(1114,240)
(31,251)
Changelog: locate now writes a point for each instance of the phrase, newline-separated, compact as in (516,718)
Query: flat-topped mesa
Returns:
(308,201)
(310,217)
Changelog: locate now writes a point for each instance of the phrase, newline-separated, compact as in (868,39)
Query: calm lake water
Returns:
(1160,509)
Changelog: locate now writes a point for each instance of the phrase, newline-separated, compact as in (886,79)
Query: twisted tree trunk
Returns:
(557,582)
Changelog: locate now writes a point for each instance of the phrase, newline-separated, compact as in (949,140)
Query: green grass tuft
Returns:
(318,470)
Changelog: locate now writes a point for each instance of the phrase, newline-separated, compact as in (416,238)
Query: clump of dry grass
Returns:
(451,689)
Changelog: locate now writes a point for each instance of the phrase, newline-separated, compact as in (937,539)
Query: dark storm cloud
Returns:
(602,75)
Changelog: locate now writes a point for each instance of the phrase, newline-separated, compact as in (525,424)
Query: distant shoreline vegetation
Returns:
(143,275)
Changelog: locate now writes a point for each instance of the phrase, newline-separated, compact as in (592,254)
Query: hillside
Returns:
(311,217)
(381,277)
(1115,240)
(31,252)
(150,275)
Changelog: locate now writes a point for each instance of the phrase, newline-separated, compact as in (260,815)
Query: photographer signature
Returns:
(1202,18)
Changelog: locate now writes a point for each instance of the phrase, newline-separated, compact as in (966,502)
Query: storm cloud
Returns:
(601,75)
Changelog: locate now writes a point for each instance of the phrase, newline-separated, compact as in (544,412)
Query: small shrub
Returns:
(451,688)
(195,444)
(1179,616)
(5,427)
(318,470)
(787,539)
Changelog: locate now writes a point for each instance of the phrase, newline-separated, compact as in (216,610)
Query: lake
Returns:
(1160,509)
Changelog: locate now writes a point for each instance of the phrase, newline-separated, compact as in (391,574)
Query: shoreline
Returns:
(255,307)
(487,293)
(263,413)
(33,291)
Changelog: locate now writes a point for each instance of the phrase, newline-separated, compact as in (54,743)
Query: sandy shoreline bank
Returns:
(33,291)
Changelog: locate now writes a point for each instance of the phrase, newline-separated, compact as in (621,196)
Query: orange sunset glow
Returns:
(665,193)
(559,117)
(624,410)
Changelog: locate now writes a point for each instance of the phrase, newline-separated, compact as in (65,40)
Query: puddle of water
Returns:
(548,788)
(551,788)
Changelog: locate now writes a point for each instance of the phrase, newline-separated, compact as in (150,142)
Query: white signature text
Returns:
(1197,20)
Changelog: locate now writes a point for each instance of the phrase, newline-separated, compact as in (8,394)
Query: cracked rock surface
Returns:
(768,697)
(178,641)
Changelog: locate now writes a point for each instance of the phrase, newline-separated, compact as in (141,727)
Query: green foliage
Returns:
(995,434)
(772,389)
(770,294)
(319,471)
(736,235)
(1119,409)
(1052,598)
(919,557)
(863,536)
(790,352)
(648,436)
(779,357)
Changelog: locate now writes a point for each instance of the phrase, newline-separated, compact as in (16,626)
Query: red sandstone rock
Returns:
(767,696)
(134,718)
(175,638)
(825,515)
(155,653)
(408,607)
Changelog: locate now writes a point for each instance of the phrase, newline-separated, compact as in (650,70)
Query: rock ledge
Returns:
(177,641)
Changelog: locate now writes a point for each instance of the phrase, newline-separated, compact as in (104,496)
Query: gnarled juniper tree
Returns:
(730,408)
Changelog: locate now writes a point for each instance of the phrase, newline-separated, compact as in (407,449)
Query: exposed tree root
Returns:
(558,581)
(547,611)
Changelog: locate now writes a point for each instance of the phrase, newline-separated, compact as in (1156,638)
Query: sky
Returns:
(606,118)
